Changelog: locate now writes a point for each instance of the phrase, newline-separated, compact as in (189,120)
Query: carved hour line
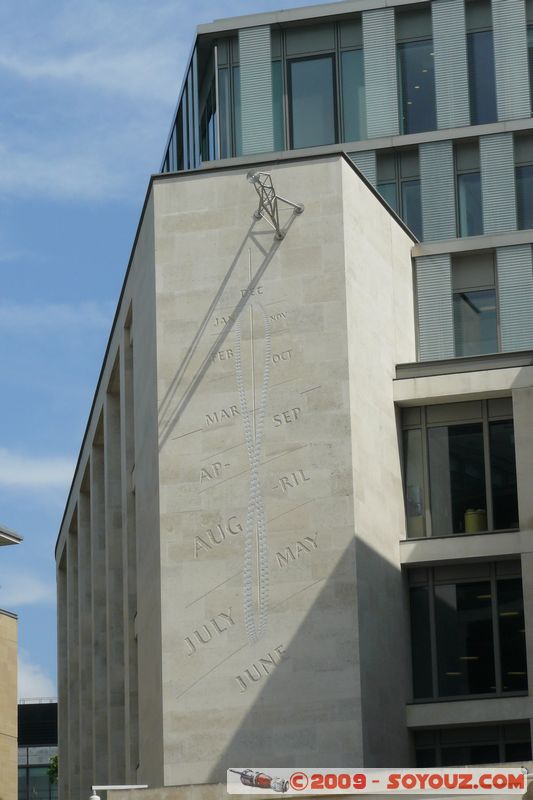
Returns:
(187,434)
(213,589)
(312,389)
(211,670)
(293,509)
(244,471)
(221,452)
(289,380)
(320,580)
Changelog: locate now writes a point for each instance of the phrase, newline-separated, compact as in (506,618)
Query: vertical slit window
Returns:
(353,95)
(417,86)
(312,102)
(277,106)
(481,77)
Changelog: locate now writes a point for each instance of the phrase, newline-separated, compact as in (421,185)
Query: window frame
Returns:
(518,164)
(500,740)
(431,581)
(481,288)
(323,54)
(471,30)
(400,42)
(457,173)
(424,426)
(399,180)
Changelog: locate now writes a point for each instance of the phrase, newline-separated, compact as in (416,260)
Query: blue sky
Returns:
(88,89)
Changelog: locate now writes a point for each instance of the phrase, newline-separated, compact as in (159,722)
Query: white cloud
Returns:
(23,588)
(34,472)
(20,316)
(33,682)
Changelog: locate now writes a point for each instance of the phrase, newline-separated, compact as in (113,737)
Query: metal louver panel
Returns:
(256,90)
(365,161)
(515,294)
(438,190)
(451,68)
(380,72)
(435,311)
(511,58)
(498,182)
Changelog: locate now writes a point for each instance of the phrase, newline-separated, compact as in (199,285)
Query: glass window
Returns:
(353,95)
(224,100)
(457,479)
(399,184)
(474,305)
(412,206)
(512,635)
(421,642)
(469,204)
(473,744)
(471,636)
(417,86)
(530,58)
(389,194)
(277,105)
(312,102)
(465,647)
(524,195)
(469,458)
(481,76)
(237,127)
(475,323)
(503,474)
(414,482)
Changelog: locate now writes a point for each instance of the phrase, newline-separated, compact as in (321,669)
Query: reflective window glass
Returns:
(277,105)
(465,650)
(353,95)
(237,110)
(414,482)
(512,635)
(389,194)
(312,102)
(469,203)
(530,58)
(417,86)
(421,643)
(412,206)
(475,322)
(457,479)
(481,76)
(225,112)
(503,474)
(524,195)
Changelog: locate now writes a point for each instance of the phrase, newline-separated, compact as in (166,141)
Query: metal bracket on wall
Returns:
(268,200)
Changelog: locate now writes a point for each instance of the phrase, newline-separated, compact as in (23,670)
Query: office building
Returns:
(37,745)
(8,691)
(344,414)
